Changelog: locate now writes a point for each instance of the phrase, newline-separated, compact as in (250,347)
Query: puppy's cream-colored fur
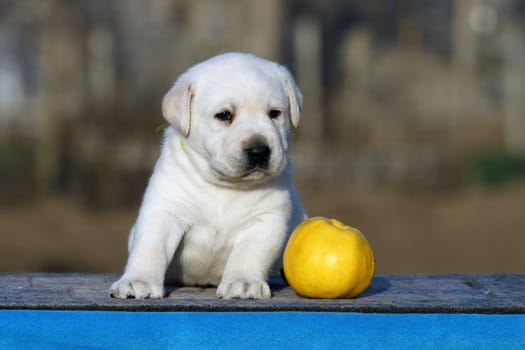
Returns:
(220,202)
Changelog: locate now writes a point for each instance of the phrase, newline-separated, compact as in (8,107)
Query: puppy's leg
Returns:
(153,242)
(249,263)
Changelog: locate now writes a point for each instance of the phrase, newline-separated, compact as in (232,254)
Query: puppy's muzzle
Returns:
(258,156)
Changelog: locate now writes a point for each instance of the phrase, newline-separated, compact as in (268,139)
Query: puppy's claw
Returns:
(136,289)
(244,289)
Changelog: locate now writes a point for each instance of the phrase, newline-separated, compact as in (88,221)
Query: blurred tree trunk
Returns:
(307,53)
(514,87)
(62,89)
(465,57)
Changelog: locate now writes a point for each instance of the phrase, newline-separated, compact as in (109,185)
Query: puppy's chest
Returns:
(213,225)
(209,240)
(221,211)
(220,226)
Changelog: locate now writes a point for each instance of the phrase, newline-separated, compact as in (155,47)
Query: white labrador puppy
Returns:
(220,201)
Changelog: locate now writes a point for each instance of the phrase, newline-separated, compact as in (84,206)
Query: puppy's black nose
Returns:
(258,156)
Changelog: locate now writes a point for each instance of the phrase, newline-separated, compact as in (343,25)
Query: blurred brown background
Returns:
(413,127)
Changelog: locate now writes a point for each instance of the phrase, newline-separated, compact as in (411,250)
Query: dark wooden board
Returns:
(493,293)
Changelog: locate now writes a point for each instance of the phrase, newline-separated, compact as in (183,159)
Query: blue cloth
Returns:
(257,330)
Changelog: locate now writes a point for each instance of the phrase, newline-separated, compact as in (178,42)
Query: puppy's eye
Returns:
(224,116)
(274,113)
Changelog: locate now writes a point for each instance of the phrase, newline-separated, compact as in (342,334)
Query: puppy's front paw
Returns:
(136,288)
(244,289)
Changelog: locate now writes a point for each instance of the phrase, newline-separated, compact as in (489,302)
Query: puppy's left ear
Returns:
(176,105)
(295,98)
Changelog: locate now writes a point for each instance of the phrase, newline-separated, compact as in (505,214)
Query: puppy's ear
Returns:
(295,98)
(176,106)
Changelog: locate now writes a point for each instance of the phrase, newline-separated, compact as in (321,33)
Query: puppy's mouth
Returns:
(253,174)
(257,172)
(249,175)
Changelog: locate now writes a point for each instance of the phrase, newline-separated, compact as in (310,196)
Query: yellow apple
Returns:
(326,259)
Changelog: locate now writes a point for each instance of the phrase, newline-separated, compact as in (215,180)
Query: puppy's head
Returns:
(236,112)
